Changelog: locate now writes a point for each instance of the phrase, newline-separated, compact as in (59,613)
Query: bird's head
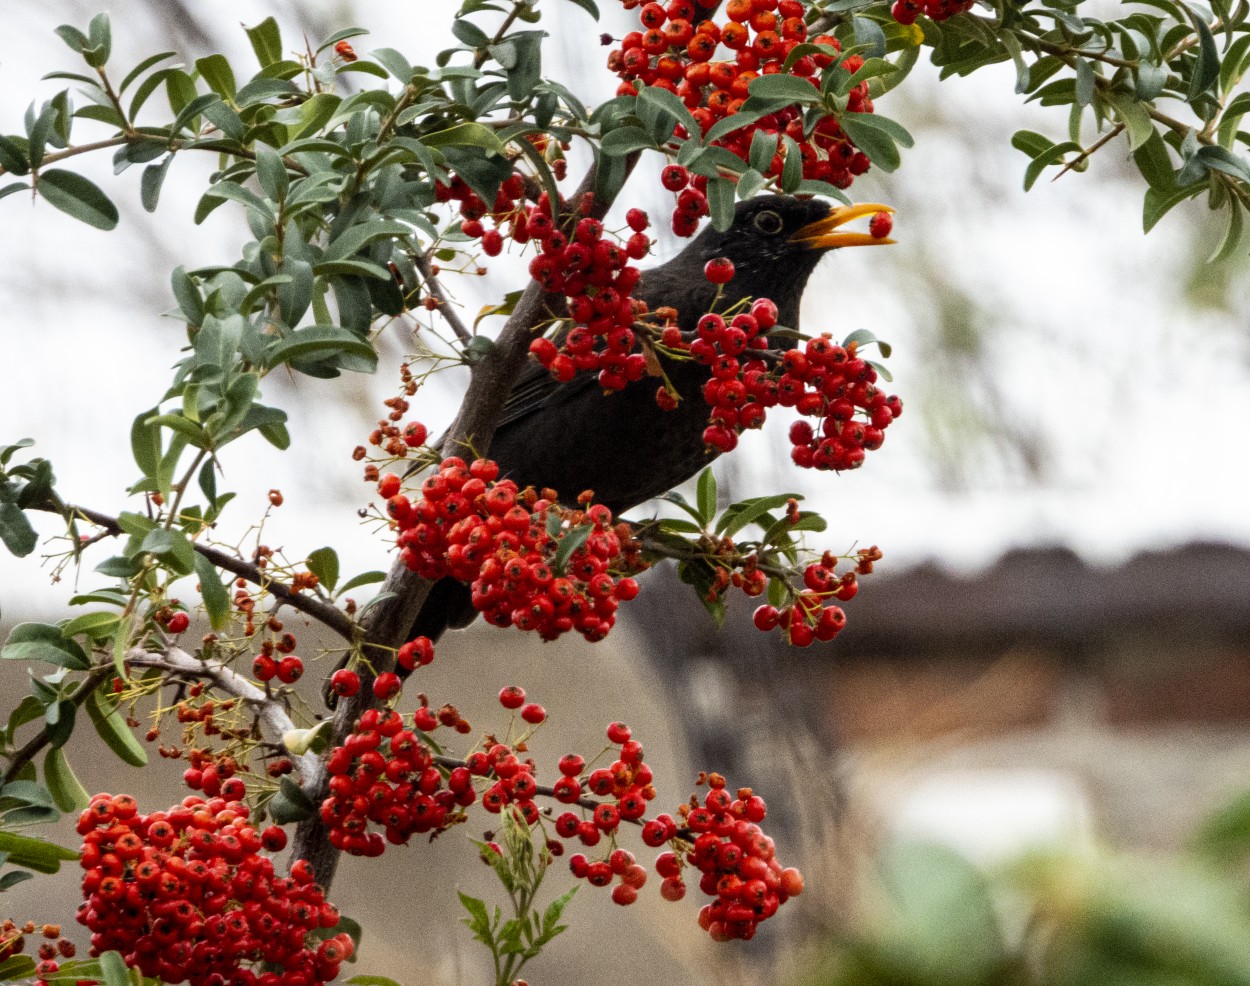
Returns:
(772,232)
(775,243)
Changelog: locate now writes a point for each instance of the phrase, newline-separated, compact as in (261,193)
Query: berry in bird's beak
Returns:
(825,235)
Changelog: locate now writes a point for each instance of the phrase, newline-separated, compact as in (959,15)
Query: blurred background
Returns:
(1054,655)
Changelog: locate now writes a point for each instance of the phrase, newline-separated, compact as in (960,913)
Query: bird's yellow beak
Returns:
(821,234)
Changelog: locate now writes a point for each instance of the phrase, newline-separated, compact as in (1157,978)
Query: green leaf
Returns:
(216,71)
(1136,119)
(343,35)
(1084,82)
(153,179)
(73,37)
(678,500)
(478,920)
(468,33)
(351,268)
(142,67)
(266,41)
(720,201)
(353,238)
(321,342)
(60,717)
(12,158)
(75,195)
(191,304)
(171,547)
(43,642)
(324,563)
(745,512)
(97,625)
(571,542)
(364,578)
(1031,142)
(707,496)
(589,7)
(371,981)
(17,966)
(626,140)
(1044,160)
(271,172)
(393,62)
(7,882)
(35,854)
(119,567)
(100,41)
(113,730)
(213,591)
(672,105)
(290,804)
(113,967)
(67,790)
(791,88)
(1207,67)
(16,531)
(27,793)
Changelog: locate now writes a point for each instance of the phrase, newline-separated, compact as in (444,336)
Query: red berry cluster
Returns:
(674,51)
(276,660)
(384,774)
(906,11)
(489,222)
(214,776)
(472,526)
(596,277)
(185,894)
(738,862)
(627,781)
(575,259)
(823,380)
(813,615)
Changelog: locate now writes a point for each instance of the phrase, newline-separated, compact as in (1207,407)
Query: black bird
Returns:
(571,437)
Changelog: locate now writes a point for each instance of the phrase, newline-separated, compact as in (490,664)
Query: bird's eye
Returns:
(768,222)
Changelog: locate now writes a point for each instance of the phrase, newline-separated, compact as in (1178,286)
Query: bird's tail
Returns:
(449,606)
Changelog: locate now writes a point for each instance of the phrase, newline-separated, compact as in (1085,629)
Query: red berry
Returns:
(178,623)
(345,682)
(533,713)
(290,669)
(674,177)
(719,270)
(388,486)
(415,434)
(618,732)
(387,685)
(512,696)
(880,225)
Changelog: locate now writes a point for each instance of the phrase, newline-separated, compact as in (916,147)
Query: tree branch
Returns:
(435,287)
(330,616)
(273,715)
(30,749)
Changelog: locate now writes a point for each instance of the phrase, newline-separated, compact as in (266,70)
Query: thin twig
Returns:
(435,287)
(330,616)
(273,715)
